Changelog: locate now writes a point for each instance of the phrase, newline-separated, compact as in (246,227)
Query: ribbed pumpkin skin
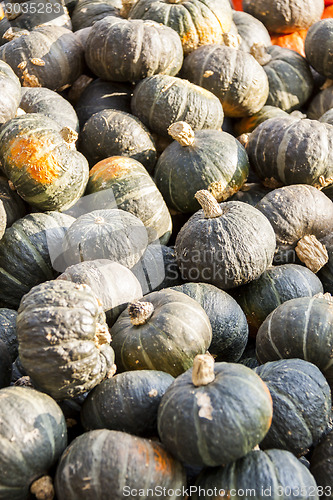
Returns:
(127,463)
(229,325)
(226,251)
(285,16)
(45,171)
(301,404)
(305,158)
(322,102)
(10,92)
(127,402)
(197,22)
(13,204)
(125,184)
(58,47)
(25,250)
(88,12)
(215,161)
(215,424)
(33,436)
(322,465)
(299,328)
(250,193)
(115,133)
(276,473)
(178,330)
(251,30)
(317,46)
(124,50)
(249,123)
(274,287)
(233,75)
(56,327)
(8,331)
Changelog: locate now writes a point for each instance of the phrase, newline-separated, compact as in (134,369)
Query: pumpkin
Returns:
(205,159)
(127,402)
(325,273)
(116,133)
(327,117)
(274,287)
(124,50)
(27,251)
(217,404)
(27,15)
(197,23)
(322,102)
(51,104)
(275,473)
(127,463)
(229,325)
(5,365)
(226,244)
(161,100)
(251,30)
(13,204)
(10,92)
(285,16)
(293,41)
(328,11)
(4,26)
(49,56)
(165,332)
(317,46)
(64,341)
(249,123)
(124,183)
(321,465)
(250,193)
(233,75)
(8,331)
(33,436)
(88,12)
(299,328)
(301,404)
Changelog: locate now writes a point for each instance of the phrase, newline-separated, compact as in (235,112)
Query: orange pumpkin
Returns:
(238,4)
(293,41)
(328,12)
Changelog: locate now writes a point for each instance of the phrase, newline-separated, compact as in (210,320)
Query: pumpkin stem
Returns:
(102,335)
(24,381)
(12,33)
(298,114)
(69,135)
(258,51)
(140,312)
(244,139)
(231,40)
(326,296)
(312,253)
(182,132)
(328,83)
(208,203)
(42,488)
(203,370)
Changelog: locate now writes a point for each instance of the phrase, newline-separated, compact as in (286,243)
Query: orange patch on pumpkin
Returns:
(112,167)
(293,41)
(328,12)
(162,461)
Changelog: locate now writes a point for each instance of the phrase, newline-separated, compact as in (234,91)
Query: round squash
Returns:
(250,193)
(293,41)
(322,465)
(164,332)
(13,204)
(251,30)
(321,102)
(10,92)
(249,123)
(8,331)
(88,12)
(301,401)
(318,46)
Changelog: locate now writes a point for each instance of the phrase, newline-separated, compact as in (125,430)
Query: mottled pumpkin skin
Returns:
(201,425)
(301,404)
(57,325)
(8,331)
(322,102)
(249,123)
(215,161)
(197,22)
(88,12)
(322,465)
(33,436)
(126,461)
(233,75)
(161,100)
(317,46)
(275,473)
(251,30)
(125,184)
(10,92)
(13,204)
(300,328)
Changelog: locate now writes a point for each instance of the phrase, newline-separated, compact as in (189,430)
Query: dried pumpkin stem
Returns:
(140,312)
(42,488)
(312,253)
(102,335)
(203,370)
(232,40)
(182,132)
(208,203)
(326,296)
(24,381)
(244,139)
(69,135)
(258,51)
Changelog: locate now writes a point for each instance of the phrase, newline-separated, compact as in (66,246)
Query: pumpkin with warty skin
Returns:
(226,245)
(249,123)
(10,92)
(233,75)
(88,12)
(64,341)
(301,404)
(116,133)
(164,331)
(27,251)
(205,159)
(299,328)
(318,46)
(276,473)
(8,331)
(322,465)
(127,463)
(5,365)
(124,183)
(13,204)
(203,410)
(321,102)
(124,50)
(33,436)
(251,30)
(127,402)
(250,193)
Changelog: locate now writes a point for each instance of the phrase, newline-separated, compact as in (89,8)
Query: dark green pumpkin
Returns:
(321,102)
(13,204)
(250,193)
(301,404)
(5,365)
(116,463)
(249,123)
(299,328)
(251,30)
(161,100)
(88,12)
(10,92)
(168,340)
(127,402)
(64,342)
(8,331)
(322,465)
(33,436)
(317,47)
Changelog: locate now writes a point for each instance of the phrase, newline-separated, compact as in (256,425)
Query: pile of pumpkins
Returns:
(166,249)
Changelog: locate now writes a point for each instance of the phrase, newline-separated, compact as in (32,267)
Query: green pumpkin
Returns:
(321,465)
(10,92)
(317,46)
(46,12)
(251,30)
(88,12)
(8,331)
(13,204)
